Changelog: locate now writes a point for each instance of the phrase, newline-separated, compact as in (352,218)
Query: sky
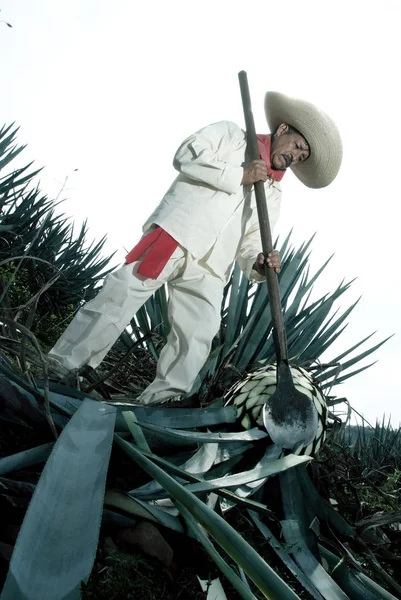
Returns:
(104,93)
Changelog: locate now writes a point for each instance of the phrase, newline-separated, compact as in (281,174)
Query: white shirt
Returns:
(207,210)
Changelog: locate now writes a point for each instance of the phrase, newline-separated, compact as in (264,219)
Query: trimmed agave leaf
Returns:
(309,565)
(267,468)
(31,394)
(322,509)
(142,510)
(65,403)
(135,429)
(18,401)
(228,451)
(199,534)
(185,418)
(299,535)
(27,458)
(234,545)
(175,418)
(244,491)
(220,469)
(192,437)
(284,556)
(213,588)
(354,583)
(110,517)
(201,462)
(71,488)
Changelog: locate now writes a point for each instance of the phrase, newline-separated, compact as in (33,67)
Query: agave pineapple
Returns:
(251,394)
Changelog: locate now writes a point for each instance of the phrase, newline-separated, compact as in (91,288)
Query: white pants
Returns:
(195,296)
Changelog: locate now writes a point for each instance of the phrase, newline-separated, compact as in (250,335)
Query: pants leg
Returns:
(194,314)
(98,324)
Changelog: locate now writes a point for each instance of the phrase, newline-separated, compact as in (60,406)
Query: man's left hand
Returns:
(272,260)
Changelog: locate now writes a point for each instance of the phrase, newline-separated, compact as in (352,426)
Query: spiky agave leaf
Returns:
(250,395)
(36,244)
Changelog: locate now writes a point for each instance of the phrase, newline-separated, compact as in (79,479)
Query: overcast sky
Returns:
(112,88)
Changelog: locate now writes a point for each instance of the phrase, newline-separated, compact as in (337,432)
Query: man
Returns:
(205,222)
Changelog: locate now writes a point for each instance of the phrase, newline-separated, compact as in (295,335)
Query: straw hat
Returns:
(322,135)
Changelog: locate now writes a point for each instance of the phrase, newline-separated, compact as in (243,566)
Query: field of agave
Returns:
(101,498)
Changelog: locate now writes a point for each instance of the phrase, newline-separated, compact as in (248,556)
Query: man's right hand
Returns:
(256,171)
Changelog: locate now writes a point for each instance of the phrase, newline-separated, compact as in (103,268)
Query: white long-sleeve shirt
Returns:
(207,210)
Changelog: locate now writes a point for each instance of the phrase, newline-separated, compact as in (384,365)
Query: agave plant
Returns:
(211,465)
(200,461)
(244,342)
(40,257)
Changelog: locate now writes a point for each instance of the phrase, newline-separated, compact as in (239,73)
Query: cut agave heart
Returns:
(251,394)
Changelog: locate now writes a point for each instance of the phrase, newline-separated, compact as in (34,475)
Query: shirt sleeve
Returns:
(251,243)
(198,159)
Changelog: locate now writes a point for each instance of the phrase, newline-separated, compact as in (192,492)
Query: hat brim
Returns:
(321,133)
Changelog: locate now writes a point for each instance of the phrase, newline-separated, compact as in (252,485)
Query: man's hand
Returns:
(256,171)
(272,261)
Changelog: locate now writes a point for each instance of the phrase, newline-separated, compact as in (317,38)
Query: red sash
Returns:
(159,246)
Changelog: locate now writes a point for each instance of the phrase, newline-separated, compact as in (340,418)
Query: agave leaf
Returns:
(193,437)
(354,583)
(199,534)
(140,321)
(175,418)
(142,510)
(272,454)
(300,535)
(180,473)
(311,568)
(317,274)
(228,451)
(300,294)
(230,330)
(324,335)
(72,489)
(284,556)
(203,460)
(349,350)
(199,463)
(310,329)
(266,468)
(234,545)
(354,360)
(338,380)
(110,517)
(213,588)
(25,459)
(16,400)
(135,429)
(323,510)
(244,294)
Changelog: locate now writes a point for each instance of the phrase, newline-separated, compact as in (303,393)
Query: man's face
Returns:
(287,148)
